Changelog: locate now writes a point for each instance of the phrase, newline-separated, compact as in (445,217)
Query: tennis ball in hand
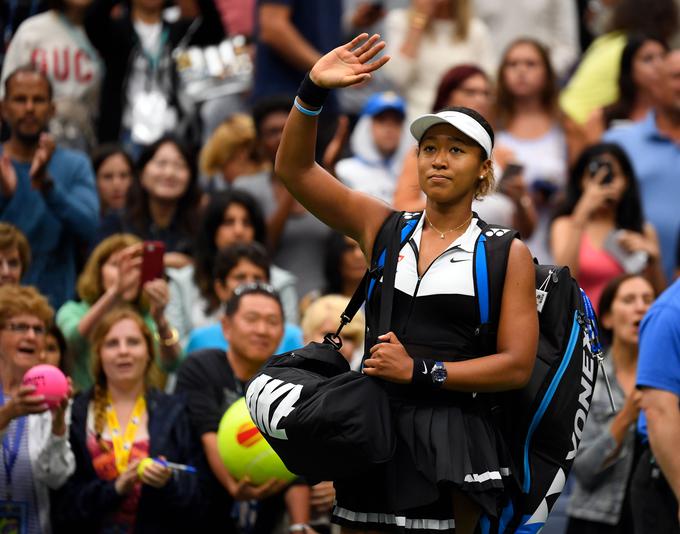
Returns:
(244,450)
(146,462)
(48,381)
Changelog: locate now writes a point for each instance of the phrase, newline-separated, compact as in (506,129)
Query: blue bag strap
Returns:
(482,280)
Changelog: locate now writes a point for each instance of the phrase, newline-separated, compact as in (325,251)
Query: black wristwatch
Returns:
(438,374)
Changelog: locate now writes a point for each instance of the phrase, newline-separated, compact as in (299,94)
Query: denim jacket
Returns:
(599,489)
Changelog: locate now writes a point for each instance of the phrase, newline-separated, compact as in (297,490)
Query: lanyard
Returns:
(122,442)
(155,58)
(10,451)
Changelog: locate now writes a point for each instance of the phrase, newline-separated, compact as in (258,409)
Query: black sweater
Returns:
(116,39)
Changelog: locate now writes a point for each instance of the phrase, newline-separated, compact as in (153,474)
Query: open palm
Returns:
(348,64)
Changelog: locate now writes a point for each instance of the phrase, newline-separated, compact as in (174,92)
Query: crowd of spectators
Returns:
(107,145)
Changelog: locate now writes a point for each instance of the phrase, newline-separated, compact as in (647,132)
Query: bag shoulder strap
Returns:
(490,265)
(395,231)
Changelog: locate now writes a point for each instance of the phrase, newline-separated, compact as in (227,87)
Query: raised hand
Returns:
(349,64)
(41,158)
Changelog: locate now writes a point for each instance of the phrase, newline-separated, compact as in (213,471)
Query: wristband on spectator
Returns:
(312,94)
(304,110)
(422,372)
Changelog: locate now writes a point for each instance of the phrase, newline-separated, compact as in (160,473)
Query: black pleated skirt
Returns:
(446,444)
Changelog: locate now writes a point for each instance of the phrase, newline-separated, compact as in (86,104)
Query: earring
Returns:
(481,177)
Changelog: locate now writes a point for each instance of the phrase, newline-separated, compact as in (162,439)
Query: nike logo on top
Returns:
(454,260)
(424,368)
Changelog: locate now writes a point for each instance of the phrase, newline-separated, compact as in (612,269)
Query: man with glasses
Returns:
(213,380)
(36,450)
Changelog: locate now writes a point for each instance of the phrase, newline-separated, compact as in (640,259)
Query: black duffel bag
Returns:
(325,421)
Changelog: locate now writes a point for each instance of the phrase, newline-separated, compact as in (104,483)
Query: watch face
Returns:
(439,373)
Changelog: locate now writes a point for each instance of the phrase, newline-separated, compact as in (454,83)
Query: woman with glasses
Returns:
(36,451)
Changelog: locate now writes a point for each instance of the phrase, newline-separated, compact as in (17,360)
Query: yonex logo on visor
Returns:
(463,122)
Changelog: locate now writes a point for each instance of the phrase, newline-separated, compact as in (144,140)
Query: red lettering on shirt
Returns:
(39,59)
(83,68)
(60,68)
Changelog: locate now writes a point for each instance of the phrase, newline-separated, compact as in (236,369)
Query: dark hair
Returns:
(629,210)
(622,108)
(138,212)
(103,152)
(658,18)
(255,288)
(268,105)
(65,360)
(481,120)
(335,248)
(505,101)
(205,249)
(29,69)
(607,300)
(452,80)
(228,258)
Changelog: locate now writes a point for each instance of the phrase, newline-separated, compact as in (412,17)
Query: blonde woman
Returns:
(428,39)
(232,150)
(36,449)
(15,254)
(111,277)
(115,425)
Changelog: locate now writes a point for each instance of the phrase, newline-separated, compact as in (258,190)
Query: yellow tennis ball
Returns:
(146,462)
(244,450)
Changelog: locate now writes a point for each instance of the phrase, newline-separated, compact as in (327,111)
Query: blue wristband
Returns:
(305,111)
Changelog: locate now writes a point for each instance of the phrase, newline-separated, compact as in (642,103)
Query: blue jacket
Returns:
(82,502)
(56,223)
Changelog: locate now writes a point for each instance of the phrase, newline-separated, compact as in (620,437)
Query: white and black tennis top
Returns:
(435,314)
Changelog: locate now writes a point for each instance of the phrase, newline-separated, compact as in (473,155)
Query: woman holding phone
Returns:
(111,277)
(599,231)
(446,438)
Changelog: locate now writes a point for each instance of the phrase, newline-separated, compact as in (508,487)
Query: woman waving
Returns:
(450,462)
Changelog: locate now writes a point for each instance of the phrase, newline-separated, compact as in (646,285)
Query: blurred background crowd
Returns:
(126,122)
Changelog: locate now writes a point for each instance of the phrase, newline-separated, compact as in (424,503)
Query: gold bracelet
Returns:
(418,20)
(169,342)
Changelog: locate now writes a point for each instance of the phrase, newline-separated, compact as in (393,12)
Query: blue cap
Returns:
(379,102)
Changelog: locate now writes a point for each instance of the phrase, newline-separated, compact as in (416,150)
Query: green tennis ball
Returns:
(244,450)
(146,462)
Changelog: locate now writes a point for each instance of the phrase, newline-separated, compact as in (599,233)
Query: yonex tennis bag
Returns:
(324,421)
(542,423)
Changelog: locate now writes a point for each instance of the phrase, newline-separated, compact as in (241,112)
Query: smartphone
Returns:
(595,165)
(632,262)
(512,170)
(152,260)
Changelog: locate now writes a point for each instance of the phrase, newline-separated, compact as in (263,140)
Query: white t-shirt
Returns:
(63,52)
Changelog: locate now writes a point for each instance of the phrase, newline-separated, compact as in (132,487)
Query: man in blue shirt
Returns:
(47,192)
(653,147)
(655,488)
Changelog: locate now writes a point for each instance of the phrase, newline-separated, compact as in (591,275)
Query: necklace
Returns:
(442,234)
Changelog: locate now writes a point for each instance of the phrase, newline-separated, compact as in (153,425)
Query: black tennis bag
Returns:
(325,421)
(542,423)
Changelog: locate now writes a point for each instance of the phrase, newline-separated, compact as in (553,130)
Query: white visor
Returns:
(457,119)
